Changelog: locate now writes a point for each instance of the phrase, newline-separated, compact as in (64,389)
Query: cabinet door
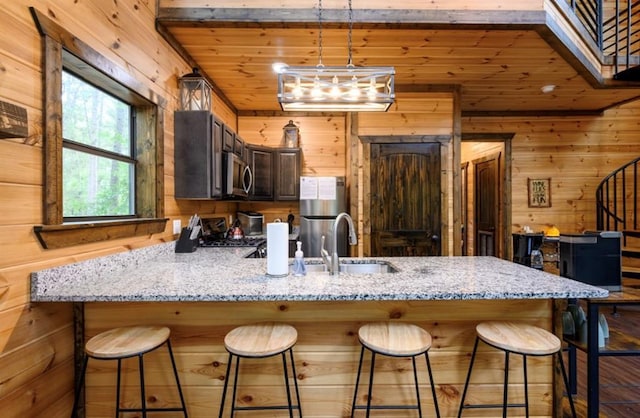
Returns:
(262,167)
(193,154)
(216,146)
(287,177)
(228,140)
(238,146)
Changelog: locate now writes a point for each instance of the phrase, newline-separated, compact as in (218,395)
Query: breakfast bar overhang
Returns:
(202,295)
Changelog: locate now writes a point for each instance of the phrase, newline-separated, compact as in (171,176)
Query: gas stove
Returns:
(229,242)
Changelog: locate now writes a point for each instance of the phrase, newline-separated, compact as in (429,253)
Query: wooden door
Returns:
(405,199)
(487,203)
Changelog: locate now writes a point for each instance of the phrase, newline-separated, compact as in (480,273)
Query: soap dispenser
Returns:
(299,269)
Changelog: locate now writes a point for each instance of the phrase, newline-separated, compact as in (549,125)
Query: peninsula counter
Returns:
(202,295)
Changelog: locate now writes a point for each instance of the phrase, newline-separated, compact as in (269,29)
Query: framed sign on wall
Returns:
(539,193)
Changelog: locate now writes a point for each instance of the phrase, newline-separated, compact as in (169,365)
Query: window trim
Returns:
(62,49)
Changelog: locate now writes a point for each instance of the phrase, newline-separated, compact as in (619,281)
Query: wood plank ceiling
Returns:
(500,69)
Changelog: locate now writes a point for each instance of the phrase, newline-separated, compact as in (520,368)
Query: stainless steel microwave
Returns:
(237,177)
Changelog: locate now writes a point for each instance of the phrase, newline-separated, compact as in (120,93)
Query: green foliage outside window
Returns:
(98,166)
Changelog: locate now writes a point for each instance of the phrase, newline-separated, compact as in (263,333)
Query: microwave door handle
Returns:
(247,188)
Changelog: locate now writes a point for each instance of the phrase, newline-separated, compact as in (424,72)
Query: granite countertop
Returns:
(223,274)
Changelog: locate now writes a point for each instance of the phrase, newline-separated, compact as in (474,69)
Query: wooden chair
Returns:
(394,339)
(523,339)
(260,341)
(121,343)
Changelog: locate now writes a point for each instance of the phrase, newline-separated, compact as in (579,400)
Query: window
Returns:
(98,165)
(103,146)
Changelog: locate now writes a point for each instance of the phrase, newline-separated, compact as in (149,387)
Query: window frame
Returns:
(60,50)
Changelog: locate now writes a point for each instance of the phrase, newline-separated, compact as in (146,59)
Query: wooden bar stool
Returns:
(523,339)
(261,341)
(122,343)
(394,339)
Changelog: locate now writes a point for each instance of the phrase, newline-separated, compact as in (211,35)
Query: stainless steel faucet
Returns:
(333,262)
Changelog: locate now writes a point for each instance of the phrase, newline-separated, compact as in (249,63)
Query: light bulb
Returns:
(354,91)
(335,89)
(297,89)
(316,91)
(373,91)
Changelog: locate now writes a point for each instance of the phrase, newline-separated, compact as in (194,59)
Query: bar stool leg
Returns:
(415,379)
(295,381)
(466,382)
(433,386)
(286,383)
(355,392)
(79,386)
(526,386)
(175,373)
(118,380)
(566,384)
(373,363)
(226,384)
(235,387)
(505,395)
(143,398)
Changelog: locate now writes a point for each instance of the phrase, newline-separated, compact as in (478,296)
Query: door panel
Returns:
(486,205)
(405,199)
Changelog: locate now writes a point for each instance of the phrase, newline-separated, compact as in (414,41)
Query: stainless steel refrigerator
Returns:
(318,211)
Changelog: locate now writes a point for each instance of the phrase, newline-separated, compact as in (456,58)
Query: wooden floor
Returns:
(619,376)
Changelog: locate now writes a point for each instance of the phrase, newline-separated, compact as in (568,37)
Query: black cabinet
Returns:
(261,161)
(287,173)
(197,155)
(238,146)
(228,139)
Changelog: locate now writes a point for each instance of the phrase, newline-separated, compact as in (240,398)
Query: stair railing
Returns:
(617,199)
(621,35)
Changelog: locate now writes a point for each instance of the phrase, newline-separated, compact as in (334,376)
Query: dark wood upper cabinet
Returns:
(261,161)
(197,155)
(238,146)
(229,139)
(287,178)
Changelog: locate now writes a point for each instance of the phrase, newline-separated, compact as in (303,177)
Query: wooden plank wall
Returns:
(575,152)
(322,141)
(326,356)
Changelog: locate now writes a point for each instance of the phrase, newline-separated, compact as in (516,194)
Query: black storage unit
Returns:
(523,244)
(593,257)
(197,155)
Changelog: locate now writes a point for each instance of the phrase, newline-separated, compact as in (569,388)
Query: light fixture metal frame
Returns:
(295,85)
(328,88)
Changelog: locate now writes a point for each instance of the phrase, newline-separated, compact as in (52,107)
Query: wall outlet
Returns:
(177,226)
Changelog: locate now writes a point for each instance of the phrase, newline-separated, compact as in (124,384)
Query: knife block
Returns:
(184,244)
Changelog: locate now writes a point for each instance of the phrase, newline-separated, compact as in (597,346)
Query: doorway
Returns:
(486,189)
(486,218)
(405,199)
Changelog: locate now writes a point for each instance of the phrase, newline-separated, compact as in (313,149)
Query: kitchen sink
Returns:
(355,266)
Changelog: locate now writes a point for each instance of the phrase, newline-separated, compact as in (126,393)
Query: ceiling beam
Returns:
(338,18)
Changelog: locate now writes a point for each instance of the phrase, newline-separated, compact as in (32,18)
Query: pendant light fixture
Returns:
(348,88)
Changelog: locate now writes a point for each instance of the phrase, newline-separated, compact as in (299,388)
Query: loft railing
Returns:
(617,199)
(614,26)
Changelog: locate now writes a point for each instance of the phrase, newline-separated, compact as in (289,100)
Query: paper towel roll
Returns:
(277,249)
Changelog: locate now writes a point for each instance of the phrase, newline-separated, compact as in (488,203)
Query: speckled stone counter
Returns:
(222,274)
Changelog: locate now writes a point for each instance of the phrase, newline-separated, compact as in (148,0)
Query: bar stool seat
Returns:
(261,341)
(394,339)
(517,338)
(121,343)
